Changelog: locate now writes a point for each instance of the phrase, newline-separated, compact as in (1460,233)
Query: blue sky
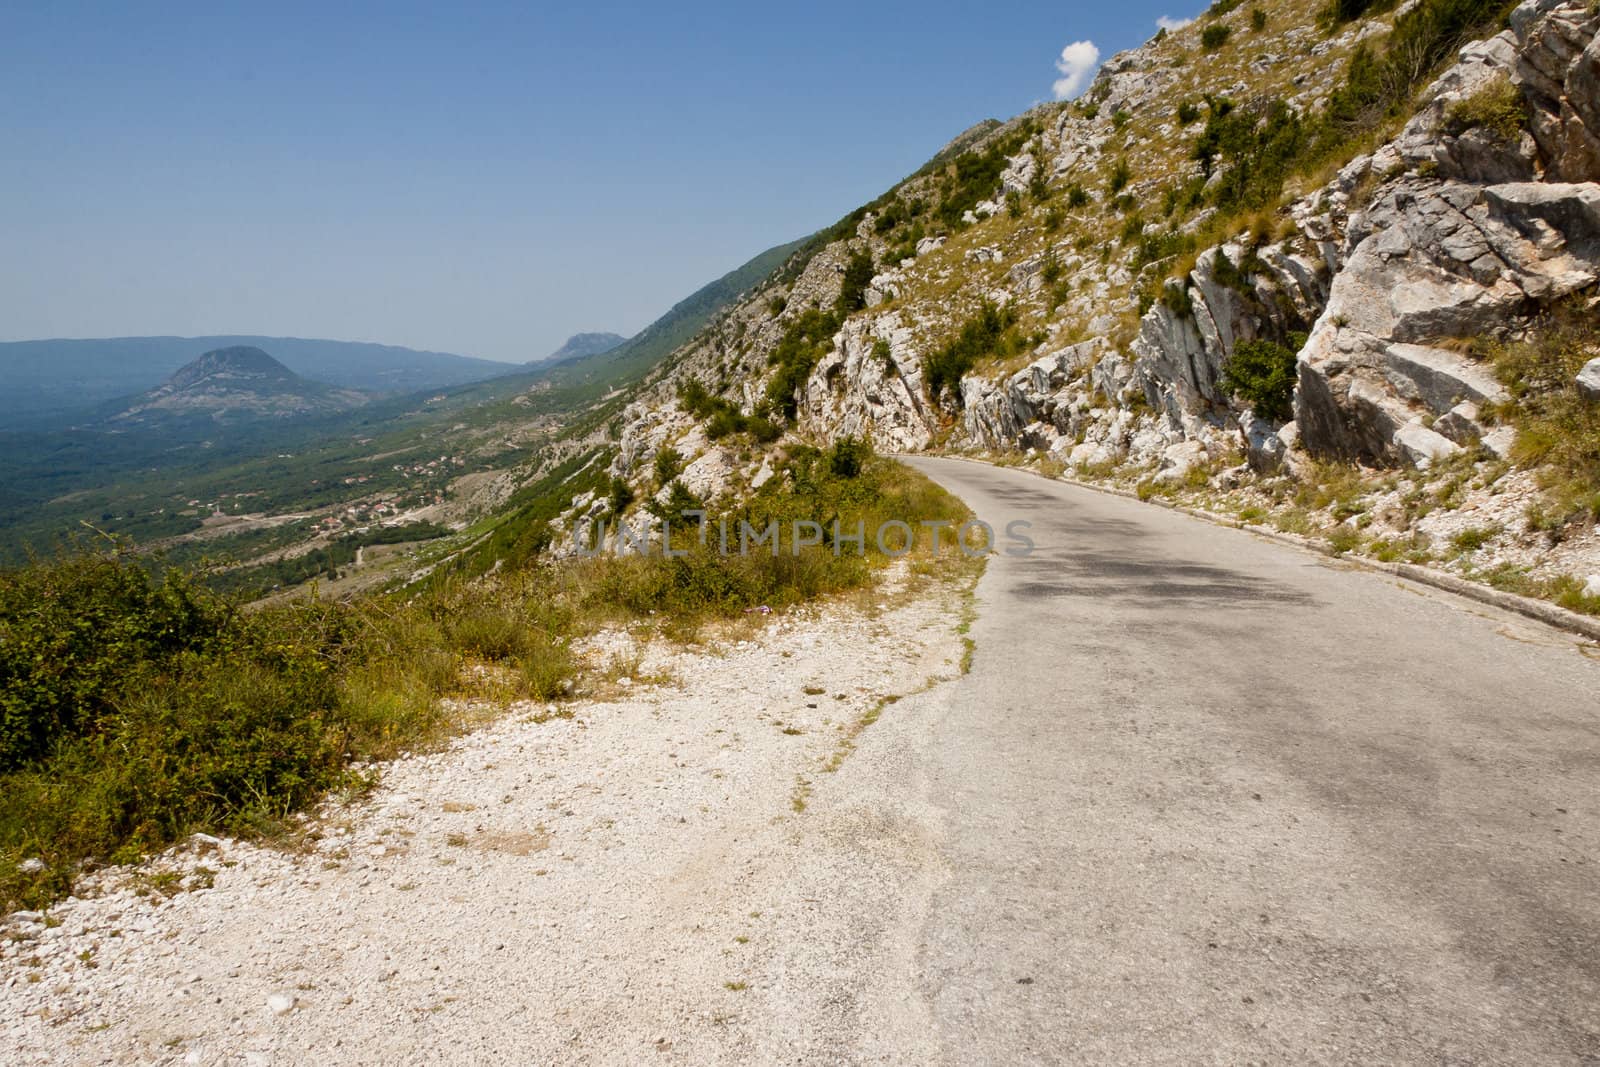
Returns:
(476,178)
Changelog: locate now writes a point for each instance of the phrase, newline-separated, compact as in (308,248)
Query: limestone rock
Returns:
(1421,445)
(1589,379)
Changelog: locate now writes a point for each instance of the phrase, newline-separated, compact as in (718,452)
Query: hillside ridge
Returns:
(1208,279)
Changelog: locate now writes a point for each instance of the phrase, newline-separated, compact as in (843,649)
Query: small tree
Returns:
(849,456)
(669,464)
(857,276)
(1262,374)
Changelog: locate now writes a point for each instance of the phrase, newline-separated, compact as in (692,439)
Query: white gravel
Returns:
(661,874)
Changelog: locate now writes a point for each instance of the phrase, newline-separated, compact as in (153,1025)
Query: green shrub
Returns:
(1262,374)
(849,456)
(1215,36)
(668,465)
(803,344)
(1258,19)
(1341,11)
(988,334)
(1256,149)
(1558,428)
(1120,176)
(858,274)
(1496,106)
(1050,268)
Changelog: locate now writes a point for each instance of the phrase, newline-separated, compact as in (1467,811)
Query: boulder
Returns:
(1589,379)
(1461,424)
(1438,378)
(1421,445)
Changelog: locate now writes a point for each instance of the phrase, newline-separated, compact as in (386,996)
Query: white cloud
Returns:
(1172,25)
(1079,60)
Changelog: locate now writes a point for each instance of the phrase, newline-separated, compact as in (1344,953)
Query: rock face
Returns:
(1369,286)
(1458,255)
(870,386)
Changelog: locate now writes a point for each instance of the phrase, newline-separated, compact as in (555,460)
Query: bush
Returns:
(1497,107)
(620,497)
(987,334)
(1558,428)
(1262,374)
(849,456)
(1215,36)
(858,274)
(668,464)
(1256,149)
(803,344)
(1120,176)
(1427,35)
(1341,11)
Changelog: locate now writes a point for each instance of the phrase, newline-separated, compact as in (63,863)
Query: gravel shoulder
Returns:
(697,870)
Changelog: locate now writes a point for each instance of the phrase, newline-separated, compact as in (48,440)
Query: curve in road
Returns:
(1209,798)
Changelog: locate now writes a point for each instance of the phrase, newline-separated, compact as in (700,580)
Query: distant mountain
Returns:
(239,382)
(580,345)
(640,353)
(45,383)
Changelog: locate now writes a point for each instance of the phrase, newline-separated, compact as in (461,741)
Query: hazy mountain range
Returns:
(237,383)
(584,344)
(45,383)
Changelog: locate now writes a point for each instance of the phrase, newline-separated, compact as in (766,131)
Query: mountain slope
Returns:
(236,383)
(1328,274)
(583,344)
(40,381)
(686,318)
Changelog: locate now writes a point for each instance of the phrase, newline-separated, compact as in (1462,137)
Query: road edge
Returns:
(1540,610)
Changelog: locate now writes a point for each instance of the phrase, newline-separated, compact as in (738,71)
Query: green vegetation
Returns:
(1255,148)
(1558,428)
(1497,107)
(991,333)
(858,274)
(805,341)
(1215,36)
(1381,86)
(1338,12)
(1262,374)
(1120,176)
(135,709)
(319,562)
(722,415)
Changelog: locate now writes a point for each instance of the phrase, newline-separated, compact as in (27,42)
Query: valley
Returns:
(344,714)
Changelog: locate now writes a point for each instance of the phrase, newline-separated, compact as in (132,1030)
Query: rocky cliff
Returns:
(1259,245)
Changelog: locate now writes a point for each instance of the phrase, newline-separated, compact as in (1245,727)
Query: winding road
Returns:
(1203,798)
(1208,798)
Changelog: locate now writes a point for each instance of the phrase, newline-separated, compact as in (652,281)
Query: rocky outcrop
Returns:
(1459,254)
(1589,380)
(1456,230)
(870,386)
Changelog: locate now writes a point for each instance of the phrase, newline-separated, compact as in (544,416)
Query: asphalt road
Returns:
(1207,798)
